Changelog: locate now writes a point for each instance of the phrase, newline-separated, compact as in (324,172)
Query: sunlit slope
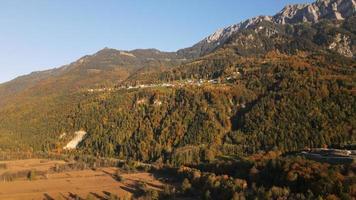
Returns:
(31,105)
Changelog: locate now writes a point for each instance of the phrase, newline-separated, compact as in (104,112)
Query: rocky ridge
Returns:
(291,14)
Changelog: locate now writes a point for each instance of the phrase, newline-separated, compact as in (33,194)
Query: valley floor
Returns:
(99,183)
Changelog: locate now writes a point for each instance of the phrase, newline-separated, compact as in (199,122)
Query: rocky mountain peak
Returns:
(321,9)
(291,14)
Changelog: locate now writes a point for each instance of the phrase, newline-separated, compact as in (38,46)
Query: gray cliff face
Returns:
(292,14)
(321,9)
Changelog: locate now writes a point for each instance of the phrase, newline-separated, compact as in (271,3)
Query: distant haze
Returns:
(37,35)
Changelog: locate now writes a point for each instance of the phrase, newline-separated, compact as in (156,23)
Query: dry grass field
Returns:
(99,183)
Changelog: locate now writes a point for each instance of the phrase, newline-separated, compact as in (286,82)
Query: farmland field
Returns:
(99,183)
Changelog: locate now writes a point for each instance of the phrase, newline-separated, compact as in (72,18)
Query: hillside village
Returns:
(183,83)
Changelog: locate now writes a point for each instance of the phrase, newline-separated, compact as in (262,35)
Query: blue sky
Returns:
(42,34)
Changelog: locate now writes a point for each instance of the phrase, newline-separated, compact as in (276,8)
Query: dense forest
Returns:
(267,176)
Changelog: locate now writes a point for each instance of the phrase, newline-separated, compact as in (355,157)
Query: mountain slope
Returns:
(31,105)
(108,66)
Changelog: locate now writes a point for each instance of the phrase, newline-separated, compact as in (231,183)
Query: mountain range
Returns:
(281,82)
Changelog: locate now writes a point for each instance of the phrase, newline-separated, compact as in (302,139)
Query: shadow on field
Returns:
(75,196)
(128,189)
(98,196)
(47,197)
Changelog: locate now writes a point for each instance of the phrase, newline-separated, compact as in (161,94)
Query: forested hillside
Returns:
(277,101)
(268,87)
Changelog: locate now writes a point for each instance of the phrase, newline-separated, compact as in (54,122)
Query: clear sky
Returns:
(43,34)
